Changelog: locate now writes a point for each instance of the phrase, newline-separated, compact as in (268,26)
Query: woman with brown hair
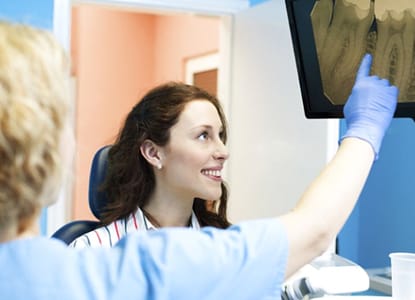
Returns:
(165,166)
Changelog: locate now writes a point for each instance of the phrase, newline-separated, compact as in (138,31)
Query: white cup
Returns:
(403,275)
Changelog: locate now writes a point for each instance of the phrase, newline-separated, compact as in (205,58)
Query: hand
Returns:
(370,107)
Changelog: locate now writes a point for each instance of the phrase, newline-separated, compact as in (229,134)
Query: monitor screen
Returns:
(330,37)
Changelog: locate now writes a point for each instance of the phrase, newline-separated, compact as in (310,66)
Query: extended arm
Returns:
(326,204)
(329,200)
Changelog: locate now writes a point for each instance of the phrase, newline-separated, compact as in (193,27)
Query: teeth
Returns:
(215,173)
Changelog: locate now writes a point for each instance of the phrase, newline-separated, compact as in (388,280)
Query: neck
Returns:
(168,211)
(26,229)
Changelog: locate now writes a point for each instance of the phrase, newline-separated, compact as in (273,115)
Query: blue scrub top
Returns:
(246,261)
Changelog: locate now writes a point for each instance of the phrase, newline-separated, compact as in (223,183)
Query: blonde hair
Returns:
(34,103)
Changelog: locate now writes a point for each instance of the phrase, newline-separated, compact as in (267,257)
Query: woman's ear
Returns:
(151,152)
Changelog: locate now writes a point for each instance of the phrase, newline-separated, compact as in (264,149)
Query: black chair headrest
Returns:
(98,199)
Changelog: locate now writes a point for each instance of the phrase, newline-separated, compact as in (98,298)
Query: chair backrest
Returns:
(69,232)
(96,199)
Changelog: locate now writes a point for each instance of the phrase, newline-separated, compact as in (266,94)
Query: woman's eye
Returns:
(203,136)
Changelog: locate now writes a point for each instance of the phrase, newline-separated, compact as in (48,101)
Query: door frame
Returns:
(60,213)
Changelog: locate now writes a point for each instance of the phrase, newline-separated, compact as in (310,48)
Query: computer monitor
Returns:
(330,37)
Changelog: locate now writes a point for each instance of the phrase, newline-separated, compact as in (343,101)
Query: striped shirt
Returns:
(109,235)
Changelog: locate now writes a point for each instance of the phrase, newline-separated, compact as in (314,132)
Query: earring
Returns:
(159,166)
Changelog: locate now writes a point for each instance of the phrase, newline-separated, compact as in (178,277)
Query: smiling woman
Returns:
(197,149)
(165,166)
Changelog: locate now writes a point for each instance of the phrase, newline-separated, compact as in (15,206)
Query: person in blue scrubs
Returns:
(249,260)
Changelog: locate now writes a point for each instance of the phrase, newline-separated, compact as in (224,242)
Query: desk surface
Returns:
(381,280)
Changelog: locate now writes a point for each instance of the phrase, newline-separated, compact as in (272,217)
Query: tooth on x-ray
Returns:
(343,33)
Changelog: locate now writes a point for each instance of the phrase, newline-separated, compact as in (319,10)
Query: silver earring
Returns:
(159,166)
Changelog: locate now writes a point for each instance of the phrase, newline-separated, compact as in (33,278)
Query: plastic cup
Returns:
(403,275)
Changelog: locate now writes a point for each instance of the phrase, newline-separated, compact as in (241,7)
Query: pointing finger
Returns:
(364,68)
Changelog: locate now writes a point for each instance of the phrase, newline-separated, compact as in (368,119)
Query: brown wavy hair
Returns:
(130,179)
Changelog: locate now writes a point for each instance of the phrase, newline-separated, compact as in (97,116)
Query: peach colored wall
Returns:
(113,55)
(181,37)
(118,56)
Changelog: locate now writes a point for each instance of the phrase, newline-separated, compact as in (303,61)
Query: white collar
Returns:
(146,224)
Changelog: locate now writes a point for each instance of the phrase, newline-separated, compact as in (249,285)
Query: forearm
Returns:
(327,202)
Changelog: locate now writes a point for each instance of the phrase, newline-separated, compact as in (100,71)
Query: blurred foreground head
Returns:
(34,106)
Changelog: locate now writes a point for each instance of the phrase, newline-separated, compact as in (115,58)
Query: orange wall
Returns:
(117,56)
(180,37)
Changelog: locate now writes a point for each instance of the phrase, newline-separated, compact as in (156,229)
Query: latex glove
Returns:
(370,107)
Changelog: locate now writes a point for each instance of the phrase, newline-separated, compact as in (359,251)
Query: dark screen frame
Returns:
(316,104)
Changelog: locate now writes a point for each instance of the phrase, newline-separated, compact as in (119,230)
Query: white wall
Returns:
(275,151)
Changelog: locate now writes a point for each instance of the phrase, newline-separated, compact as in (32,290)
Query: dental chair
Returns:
(96,198)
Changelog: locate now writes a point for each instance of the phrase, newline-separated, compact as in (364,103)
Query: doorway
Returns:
(108,107)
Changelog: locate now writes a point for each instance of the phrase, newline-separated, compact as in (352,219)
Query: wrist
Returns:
(370,135)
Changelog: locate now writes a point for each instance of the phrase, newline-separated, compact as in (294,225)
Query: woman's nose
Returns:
(221,151)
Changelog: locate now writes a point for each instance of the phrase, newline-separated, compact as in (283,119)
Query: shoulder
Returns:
(232,254)
(67,273)
(266,233)
(109,235)
(100,237)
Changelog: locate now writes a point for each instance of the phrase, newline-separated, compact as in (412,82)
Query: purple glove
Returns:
(370,107)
